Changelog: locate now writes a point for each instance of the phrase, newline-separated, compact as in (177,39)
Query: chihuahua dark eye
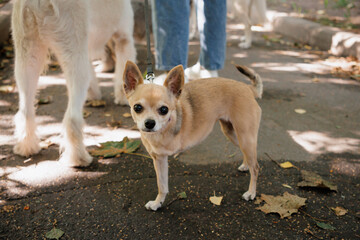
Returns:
(163,110)
(138,108)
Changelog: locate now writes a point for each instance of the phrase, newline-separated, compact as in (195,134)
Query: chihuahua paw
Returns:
(249,195)
(153,205)
(243,168)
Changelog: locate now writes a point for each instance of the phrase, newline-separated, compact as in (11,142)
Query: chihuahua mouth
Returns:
(148,130)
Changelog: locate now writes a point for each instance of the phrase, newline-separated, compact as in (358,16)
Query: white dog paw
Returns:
(74,160)
(153,205)
(120,99)
(245,45)
(243,168)
(249,195)
(27,148)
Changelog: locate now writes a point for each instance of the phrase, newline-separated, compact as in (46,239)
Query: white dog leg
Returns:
(30,57)
(77,69)
(246,40)
(94,92)
(124,50)
(161,169)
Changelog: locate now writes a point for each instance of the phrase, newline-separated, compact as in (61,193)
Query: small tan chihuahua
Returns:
(174,117)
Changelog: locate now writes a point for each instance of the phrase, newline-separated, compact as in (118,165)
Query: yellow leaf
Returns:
(286,165)
(216,200)
(95,103)
(287,186)
(126,115)
(300,111)
(86,113)
(339,211)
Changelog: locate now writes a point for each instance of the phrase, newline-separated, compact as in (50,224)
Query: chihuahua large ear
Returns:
(132,77)
(175,80)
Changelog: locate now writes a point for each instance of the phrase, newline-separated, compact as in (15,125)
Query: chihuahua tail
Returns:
(257,85)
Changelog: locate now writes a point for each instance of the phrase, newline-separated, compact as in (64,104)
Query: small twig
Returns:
(323,220)
(139,154)
(272,159)
(311,233)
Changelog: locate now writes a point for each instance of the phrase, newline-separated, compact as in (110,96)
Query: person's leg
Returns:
(211,19)
(212,30)
(171,32)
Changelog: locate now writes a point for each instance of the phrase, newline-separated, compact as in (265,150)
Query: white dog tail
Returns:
(257,85)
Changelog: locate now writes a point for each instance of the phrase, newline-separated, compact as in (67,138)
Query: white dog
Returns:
(77,32)
(250,12)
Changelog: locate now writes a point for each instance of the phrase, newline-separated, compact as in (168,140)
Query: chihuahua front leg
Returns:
(161,169)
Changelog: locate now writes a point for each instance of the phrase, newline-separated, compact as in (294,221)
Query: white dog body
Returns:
(77,32)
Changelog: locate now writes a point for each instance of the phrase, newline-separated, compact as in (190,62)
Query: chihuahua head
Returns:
(153,107)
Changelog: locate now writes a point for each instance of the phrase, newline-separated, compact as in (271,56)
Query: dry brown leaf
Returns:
(311,179)
(95,103)
(339,211)
(283,205)
(216,200)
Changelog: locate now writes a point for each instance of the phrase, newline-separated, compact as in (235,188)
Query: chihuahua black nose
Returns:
(150,124)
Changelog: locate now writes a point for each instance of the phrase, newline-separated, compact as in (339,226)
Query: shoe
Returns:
(197,71)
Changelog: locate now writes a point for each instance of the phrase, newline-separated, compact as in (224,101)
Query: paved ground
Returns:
(106,200)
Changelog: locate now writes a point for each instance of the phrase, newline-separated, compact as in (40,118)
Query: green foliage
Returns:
(113,148)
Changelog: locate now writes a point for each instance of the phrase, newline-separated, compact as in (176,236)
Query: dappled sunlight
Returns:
(21,180)
(105,75)
(4,103)
(48,80)
(48,173)
(294,67)
(240,55)
(95,135)
(319,143)
(341,41)
(300,54)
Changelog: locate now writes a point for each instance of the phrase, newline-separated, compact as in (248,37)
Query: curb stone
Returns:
(330,39)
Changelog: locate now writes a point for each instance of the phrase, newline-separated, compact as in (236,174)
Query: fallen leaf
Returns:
(46,100)
(287,186)
(339,211)
(26,207)
(300,111)
(114,148)
(86,113)
(283,205)
(114,124)
(182,195)
(216,200)
(325,226)
(126,115)
(258,201)
(311,179)
(9,208)
(55,233)
(315,79)
(95,103)
(7,88)
(286,165)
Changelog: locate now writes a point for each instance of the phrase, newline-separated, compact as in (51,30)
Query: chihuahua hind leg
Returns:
(228,130)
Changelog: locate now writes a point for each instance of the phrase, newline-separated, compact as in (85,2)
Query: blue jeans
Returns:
(170,20)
